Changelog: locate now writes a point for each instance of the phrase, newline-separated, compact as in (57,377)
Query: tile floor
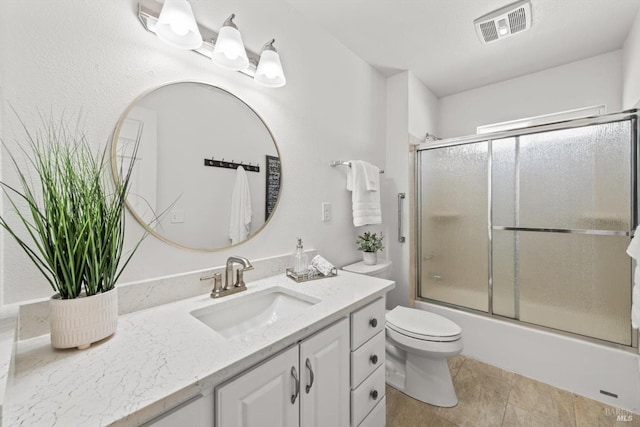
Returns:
(489,396)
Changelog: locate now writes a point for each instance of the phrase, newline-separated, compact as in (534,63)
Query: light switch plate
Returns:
(326,211)
(177,216)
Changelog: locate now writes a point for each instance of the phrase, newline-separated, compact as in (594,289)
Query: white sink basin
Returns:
(248,312)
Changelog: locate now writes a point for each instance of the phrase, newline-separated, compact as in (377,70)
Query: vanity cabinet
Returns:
(367,366)
(307,385)
(333,378)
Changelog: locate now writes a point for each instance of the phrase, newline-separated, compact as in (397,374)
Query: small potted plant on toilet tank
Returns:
(369,243)
(68,217)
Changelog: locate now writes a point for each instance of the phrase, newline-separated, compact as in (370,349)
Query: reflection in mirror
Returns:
(192,138)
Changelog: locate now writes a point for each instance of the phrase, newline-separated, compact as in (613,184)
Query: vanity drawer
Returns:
(367,396)
(367,358)
(378,416)
(367,322)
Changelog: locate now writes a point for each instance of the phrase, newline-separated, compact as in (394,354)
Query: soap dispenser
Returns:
(299,259)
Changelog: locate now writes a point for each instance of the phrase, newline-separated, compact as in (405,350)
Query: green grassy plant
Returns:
(74,216)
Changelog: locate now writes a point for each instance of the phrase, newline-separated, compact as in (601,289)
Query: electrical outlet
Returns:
(326,211)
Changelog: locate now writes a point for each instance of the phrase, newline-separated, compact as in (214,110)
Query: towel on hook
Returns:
(240,218)
(633,250)
(365,193)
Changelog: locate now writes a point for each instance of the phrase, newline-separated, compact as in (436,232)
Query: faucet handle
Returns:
(217,284)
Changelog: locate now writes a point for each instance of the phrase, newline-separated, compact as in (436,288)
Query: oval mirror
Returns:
(186,188)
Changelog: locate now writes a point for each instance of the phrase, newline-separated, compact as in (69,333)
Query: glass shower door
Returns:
(453,247)
(561,216)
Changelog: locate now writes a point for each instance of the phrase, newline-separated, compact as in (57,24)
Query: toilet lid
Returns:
(421,324)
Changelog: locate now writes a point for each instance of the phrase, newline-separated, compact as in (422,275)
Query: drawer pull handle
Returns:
(308,365)
(294,374)
(373,322)
(374,359)
(374,394)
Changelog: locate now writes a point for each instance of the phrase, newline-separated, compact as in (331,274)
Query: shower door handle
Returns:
(401,238)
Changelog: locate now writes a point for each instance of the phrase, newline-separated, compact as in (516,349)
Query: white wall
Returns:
(592,81)
(411,109)
(396,172)
(95,57)
(631,67)
(423,109)
(1,198)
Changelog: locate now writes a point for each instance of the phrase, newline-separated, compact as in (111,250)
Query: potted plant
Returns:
(370,244)
(74,222)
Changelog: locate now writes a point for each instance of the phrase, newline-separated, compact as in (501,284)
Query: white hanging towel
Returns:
(363,180)
(634,252)
(240,208)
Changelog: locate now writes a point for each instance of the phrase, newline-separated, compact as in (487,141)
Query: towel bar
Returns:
(335,163)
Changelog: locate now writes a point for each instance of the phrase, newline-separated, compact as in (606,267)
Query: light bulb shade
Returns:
(269,71)
(177,26)
(228,51)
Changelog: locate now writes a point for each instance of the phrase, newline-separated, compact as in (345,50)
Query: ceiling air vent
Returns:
(504,22)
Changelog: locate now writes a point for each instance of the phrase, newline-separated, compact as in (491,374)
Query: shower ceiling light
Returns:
(225,49)
(503,29)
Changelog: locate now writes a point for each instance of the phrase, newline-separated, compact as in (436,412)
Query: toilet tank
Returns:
(380,270)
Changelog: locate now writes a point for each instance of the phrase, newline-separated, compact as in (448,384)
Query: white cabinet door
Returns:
(264,396)
(324,386)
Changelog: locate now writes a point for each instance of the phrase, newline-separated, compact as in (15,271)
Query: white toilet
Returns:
(418,345)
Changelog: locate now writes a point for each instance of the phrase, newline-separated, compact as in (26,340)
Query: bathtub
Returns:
(589,369)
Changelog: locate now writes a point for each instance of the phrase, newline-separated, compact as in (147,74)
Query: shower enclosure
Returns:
(532,225)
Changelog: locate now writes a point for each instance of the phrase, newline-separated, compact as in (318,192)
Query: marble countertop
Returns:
(162,356)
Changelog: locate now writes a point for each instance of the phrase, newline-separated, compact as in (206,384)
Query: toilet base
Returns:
(423,378)
(429,381)
(394,376)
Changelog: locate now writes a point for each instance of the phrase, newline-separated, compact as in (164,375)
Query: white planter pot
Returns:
(370,258)
(84,320)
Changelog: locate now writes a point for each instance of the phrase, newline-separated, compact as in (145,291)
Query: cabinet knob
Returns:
(373,322)
(374,394)
(374,359)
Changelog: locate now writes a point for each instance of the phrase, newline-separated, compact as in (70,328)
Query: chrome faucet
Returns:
(229,286)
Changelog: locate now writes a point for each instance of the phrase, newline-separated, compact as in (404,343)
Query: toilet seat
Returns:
(438,349)
(422,325)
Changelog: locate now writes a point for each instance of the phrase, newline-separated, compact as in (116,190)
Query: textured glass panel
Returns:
(503,182)
(504,263)
(573,282)
(453,223)
(567,179)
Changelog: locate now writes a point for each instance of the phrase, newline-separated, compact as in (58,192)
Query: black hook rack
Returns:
(231,165)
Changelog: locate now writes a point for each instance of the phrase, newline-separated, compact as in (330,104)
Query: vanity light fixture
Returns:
(225,49)
(228,51)
(269,71)
(177,26)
